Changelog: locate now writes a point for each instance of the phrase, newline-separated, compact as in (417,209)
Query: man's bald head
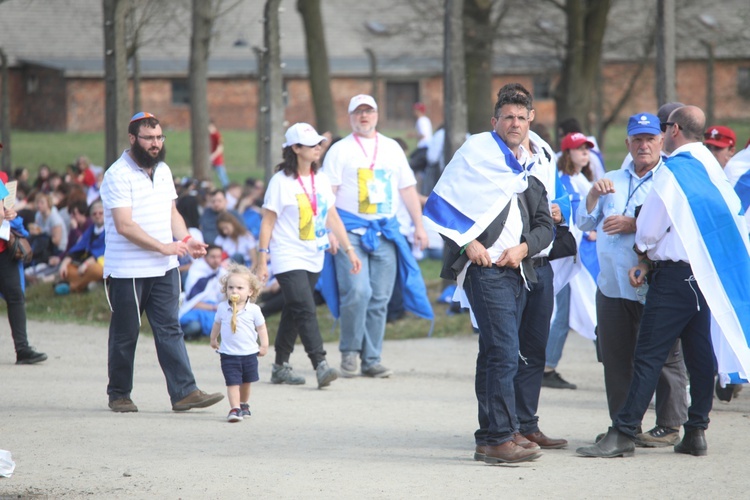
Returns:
(691,120)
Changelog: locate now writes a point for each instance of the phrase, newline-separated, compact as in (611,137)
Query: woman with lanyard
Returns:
(298,208)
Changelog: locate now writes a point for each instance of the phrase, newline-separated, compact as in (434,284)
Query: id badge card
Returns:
(376,191)
(321,235)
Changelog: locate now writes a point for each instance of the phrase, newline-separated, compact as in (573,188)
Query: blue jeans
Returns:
(532,337)
(364,299)
(675,308)
(158,297)
(558,332)
(497,296)
(221,172)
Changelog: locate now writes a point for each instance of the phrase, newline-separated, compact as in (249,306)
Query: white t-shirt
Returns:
(127,185)
(348,166)
(424,129)
(294,245)
(245,340)
(53,220)
(241,246)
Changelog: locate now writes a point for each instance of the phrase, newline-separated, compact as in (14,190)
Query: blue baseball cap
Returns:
(644,123)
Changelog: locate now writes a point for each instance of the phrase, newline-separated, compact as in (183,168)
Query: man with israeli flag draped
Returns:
(494,217)
(695,246)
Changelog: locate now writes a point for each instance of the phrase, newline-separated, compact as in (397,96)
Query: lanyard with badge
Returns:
(375,187)
(632,191)
(321,234)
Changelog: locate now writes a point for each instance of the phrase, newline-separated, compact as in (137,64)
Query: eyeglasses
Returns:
(320,144)
(364,111)
(664,125)
(152,138)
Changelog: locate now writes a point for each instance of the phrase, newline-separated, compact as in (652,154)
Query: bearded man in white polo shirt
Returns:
(144,237)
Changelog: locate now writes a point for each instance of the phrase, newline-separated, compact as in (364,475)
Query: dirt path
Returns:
(409,436)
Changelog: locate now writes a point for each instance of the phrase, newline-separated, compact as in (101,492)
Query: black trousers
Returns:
(10,287)
(299,317)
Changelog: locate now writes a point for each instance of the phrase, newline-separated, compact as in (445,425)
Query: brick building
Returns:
(56,63)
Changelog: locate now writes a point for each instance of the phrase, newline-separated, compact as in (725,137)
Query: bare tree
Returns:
(4,113)
(317,65)
(586,24)
(116,84)
(666,90)
(271,130)
(198,87)
(481,19)
(454,78)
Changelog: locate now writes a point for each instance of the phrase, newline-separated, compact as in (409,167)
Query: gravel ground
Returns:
(409,436)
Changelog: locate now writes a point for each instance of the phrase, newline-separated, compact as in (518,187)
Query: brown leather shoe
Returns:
(197,399)
(524,443)
(123,405)
(509,453)
(545,442)
(479,453)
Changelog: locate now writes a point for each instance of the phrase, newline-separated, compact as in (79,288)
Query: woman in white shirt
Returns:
(298,208)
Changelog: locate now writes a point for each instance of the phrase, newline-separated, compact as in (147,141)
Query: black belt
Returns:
(540,261)
(668,263)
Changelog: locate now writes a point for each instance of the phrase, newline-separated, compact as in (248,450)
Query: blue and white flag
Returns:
(474,188)
(738,173)
(705,212)
(581,270)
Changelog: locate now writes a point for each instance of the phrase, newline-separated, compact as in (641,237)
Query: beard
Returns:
(146,159)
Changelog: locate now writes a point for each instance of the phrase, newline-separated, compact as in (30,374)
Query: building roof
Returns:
(405,35)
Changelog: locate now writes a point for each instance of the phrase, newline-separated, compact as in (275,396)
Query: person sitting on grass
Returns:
(240,324)
(202,294)
(82,265)
(235,239)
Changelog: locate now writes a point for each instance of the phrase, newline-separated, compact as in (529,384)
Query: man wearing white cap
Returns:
(368,171)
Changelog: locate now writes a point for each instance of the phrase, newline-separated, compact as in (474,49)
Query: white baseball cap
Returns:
(302,133)
(359,100)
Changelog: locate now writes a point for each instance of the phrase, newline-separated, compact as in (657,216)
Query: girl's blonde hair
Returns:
(253,283)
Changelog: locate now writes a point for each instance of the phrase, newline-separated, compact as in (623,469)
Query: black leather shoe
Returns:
(613,444)
(693,443)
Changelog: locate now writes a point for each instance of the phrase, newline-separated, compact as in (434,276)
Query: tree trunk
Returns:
(198,86)
(317,65)
(5,163)
(478,36)
(575,93)
(373,60)
(136,61)
(665,52)
(454,78)
(117,106)
(272,80)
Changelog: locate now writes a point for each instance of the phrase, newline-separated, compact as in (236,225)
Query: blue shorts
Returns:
(239,369)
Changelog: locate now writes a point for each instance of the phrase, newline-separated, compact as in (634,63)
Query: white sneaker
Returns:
(349,364)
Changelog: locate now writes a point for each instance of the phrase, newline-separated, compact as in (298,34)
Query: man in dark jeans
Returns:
(140,264)
(489,254)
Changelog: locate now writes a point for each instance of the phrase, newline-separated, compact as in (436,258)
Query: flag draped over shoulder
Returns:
(579,271)
(704,210)
(738,173)
(474,188)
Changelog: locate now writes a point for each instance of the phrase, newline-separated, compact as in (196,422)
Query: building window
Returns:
(400,97)
(542,87)
(180,92)
(743,82)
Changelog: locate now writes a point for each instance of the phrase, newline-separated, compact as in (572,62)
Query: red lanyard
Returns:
(313,199)
(374,154)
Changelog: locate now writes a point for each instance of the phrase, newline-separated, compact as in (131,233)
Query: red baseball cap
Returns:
(719,136)
(575,140)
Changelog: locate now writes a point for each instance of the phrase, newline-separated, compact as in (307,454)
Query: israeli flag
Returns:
(705,212)
(738,173)
(474,188)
